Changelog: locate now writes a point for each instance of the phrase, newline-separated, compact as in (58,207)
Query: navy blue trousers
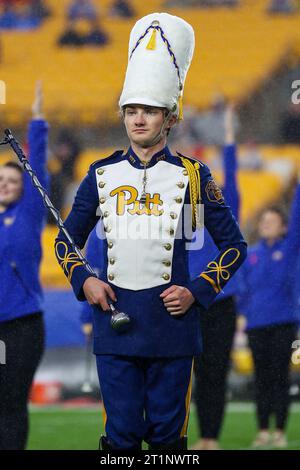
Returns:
(145,399)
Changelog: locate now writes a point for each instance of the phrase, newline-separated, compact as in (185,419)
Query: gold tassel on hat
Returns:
(180,101)
(180,107)
(151,46)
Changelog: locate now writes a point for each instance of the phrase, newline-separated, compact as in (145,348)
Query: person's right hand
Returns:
(37,107)
(96,292)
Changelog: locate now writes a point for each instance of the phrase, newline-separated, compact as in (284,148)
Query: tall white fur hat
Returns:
(161,48)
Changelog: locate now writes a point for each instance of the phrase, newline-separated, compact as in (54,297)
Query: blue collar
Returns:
(9,213)
(277,244)
(134,160)
(9,209)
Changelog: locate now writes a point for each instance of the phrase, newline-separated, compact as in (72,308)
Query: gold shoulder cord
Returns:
(195,189)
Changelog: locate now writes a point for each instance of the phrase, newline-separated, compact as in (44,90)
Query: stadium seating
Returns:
(83,85)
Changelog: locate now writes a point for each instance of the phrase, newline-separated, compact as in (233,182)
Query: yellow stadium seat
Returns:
(51,273)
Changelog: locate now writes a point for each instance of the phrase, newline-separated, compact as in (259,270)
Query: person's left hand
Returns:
(177,299)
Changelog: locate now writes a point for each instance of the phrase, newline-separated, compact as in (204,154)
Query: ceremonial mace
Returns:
(87,383)
(119,320)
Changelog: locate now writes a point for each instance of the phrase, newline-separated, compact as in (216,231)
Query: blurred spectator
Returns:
(82,9)
(251,157)
(23,16)
(11,18)
(281,6)
(39,10)
(185,138)
(218,3)
(70,37)
(201,3)
(96,36)
(290,126)
(209,125)
(122,8)
(61,166)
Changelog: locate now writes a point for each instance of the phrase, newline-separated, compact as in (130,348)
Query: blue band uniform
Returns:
(154,332)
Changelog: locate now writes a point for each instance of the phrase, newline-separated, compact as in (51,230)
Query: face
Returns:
(144,123)
(271,226)
(11,185)
(63,152)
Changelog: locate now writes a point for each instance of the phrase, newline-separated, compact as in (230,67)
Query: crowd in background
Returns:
(30,14)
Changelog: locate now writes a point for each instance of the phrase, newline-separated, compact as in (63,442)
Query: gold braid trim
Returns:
(211,281)
(187,403)
(67,258)
(220,269)
(195,191)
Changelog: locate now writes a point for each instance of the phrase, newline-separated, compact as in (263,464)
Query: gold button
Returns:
(102,200)
(110,244)
(167,263)
(173,215)
(181,184)
(111,277)
(107,229)
(185,173)
(100,171)
(112,260)
(168,246)
(178,199)
(171,231)
(106,214)
(101,184)
(166,276)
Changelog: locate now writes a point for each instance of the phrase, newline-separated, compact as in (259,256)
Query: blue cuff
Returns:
(80,275)
(202,291)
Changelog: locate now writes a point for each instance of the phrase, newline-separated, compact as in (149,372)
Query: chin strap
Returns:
(155,141)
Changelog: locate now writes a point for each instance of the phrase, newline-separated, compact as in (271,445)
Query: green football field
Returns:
(79,428)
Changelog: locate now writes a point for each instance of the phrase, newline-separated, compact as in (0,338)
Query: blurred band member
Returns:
(218,323)
(21,324)
(267,300)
